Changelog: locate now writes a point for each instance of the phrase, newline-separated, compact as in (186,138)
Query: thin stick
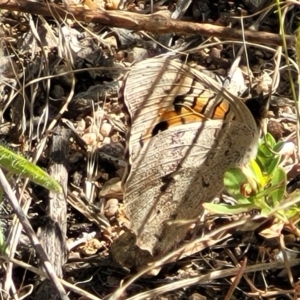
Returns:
(237,280)
(159,22)
(32,236)
(72,287)
(206,278)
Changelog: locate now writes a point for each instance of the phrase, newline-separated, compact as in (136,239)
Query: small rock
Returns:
(111,207)
(106,141)
(100,138)
(106,129)
(90,138)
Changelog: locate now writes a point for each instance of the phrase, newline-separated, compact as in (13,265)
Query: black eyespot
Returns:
(161,126)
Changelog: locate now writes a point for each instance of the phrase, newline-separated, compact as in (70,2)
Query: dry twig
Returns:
(32,236)
(159,22)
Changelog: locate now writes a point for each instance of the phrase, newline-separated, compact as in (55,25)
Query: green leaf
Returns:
(253,172)
(267,157)
(234,178)
(278,146)
(279,182)
(17,164)
(269,139)
(263,159)
(265,211)
(272,164)
(224,209)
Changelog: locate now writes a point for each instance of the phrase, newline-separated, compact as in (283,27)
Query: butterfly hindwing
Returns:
(183,137)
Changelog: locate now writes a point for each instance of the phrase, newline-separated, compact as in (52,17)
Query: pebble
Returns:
(111,207)
(90,138)
(106,129)
(106,141)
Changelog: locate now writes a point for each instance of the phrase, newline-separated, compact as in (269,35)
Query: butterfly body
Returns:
(183,137)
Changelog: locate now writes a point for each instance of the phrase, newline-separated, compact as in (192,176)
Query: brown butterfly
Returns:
(186,130)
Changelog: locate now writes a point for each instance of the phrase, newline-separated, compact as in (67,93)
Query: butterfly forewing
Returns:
(179,147)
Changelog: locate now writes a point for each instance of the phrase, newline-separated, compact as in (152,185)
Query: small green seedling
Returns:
(260,185)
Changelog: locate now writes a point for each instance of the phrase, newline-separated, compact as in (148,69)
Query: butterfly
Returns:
(186,130)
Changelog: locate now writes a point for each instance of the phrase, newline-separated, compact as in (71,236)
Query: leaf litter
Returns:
(63,72)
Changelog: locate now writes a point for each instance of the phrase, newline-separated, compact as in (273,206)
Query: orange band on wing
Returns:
(219,111)
(185,114)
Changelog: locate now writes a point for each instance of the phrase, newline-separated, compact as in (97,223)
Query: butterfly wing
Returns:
(149,93)
(174,169)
